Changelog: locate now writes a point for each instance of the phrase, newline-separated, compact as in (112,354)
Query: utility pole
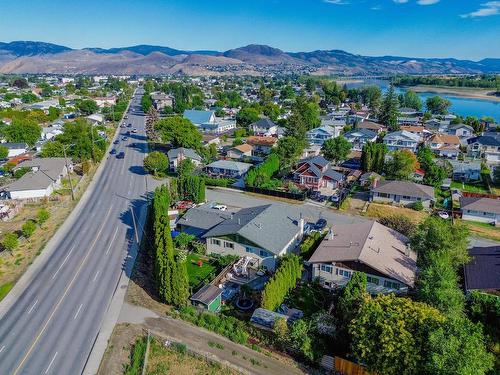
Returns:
(69,174)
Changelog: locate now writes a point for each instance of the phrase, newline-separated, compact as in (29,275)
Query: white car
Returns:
(220,207)
(443,215)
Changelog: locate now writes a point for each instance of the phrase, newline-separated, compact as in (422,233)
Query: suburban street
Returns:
(52,326)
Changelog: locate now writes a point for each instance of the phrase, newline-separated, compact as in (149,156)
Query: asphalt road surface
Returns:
(51,327)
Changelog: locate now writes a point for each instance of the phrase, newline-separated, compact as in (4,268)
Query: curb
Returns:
(25,280)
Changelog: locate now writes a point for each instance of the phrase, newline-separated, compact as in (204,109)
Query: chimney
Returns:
(232,215)
(239,221)
(330,233)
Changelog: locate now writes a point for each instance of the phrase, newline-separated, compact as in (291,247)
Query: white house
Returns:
(264,127)
(402,140)
(176,155)
(319,135)
(15,149)
(485,210)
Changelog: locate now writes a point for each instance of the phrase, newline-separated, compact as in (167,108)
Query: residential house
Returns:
(199,117)
(176,155)
(264,127)
(218,127)
(316,173)
(318,136)
(373,126)
(485,147)
(369,178)
(49,133)
(402,193)
(402,140)
(415,129)
(227,168)
(107,101)
(461,130)
(161,100)
(485,210)
(96,119)
(445,145)
(262,233)
(199,220)
(408,121)
(208,297)
(440,126)
(483,271)
(261,145)
(466,171)
(45,176)
(359,137)
(311,151)
(15,149)
(240,151)
(369,247)
(408,112)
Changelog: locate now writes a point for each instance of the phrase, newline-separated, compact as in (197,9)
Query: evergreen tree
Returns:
(389,110)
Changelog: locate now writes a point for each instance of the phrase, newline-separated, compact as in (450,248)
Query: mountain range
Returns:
(40,57)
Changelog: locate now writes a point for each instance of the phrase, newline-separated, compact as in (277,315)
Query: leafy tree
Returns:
(435,235)
(28,228)
(42,216)
(389,334)
(247,116)
(10,241)
(20,83)
(183,240)
(373,157)
(4,152)
(300,339)
(87,106)
(336,149)
(457,347)
(437,105)
(29,97)
(146,103)
(262,174)
(289,150)
(52,149)
(185,167)
(20,172)
(401,166)
(180,132)
(26,131)
(437,285)
(388,114)
(304,117)
(281,332)
(156,163)
(86,144)
(54,113)
(412,100)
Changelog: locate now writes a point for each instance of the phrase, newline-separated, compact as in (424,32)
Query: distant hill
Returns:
(41,57)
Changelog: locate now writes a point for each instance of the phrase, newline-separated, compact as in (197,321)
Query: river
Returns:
(459,105)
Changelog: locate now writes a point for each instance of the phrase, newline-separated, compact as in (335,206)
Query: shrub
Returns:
(222,182)
(28,228)
(418,206)
(42,216)
(136,357)
(10,241)
(399,223)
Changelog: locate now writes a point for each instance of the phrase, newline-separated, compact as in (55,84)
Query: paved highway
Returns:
(51,327)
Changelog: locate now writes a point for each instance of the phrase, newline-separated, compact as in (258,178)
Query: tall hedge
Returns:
(263,173)
(284,280)
(189,188)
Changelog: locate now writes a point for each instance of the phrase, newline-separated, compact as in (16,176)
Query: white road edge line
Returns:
(113,240)
(32,307)
(51,362)
(63,263)
(95,277)
(78,311)
(2,348)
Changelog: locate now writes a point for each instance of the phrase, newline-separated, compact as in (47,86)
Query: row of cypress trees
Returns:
(284,280)
(263,173)
(373,157)
(170,270)
(187,188)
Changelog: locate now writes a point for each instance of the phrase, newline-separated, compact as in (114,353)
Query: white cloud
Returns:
(427,2)
(335,2)
(400,1)
(376,7)
(491,8)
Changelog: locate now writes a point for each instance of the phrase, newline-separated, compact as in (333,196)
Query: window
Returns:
(343,273)
(373,280)
(406,197)
(326,268)
(215,242)
(391,284)
(263,253)
(248,249)
(383,195)
(229,245)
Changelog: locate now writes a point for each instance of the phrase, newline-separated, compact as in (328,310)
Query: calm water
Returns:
(459,105)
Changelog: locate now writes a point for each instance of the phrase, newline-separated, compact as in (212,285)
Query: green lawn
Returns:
(196,273)
(471,187)
(4,289)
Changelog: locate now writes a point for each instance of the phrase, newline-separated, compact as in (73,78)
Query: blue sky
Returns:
(418,28)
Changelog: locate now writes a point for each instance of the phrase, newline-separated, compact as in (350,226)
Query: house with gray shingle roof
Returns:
(264,127)
(369,247)
(176,155)
(199,220)
(485,210)
(263,233)
(404,193)
(227,168)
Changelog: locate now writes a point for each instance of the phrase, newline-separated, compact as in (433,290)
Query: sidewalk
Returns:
(197,339)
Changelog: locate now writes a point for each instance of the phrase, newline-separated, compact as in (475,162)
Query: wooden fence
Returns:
(345,367)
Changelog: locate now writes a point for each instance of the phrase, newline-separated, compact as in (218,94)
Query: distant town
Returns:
(252,224)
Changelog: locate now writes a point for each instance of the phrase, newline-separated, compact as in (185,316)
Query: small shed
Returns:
(263,318)
(208,297)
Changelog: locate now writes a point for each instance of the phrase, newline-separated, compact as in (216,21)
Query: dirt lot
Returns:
(376,210)
(483,230)
(14,264)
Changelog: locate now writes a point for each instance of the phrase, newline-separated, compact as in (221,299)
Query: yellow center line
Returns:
(61,299)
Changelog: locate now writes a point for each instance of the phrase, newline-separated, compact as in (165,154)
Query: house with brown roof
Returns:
(447,145)
(485,210)
(373,126)
(369,247)
(316,173)
(261,145)
(239,152)
(404,193)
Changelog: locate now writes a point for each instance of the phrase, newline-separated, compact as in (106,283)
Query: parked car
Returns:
(116,141)
(129,125)
(220,207)
(184,205)
(126,117)
(134,130)
(122,125)
(320,224)
(120,155)
(113,151)
(124,138)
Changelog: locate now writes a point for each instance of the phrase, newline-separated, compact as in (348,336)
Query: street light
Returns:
(67,169)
